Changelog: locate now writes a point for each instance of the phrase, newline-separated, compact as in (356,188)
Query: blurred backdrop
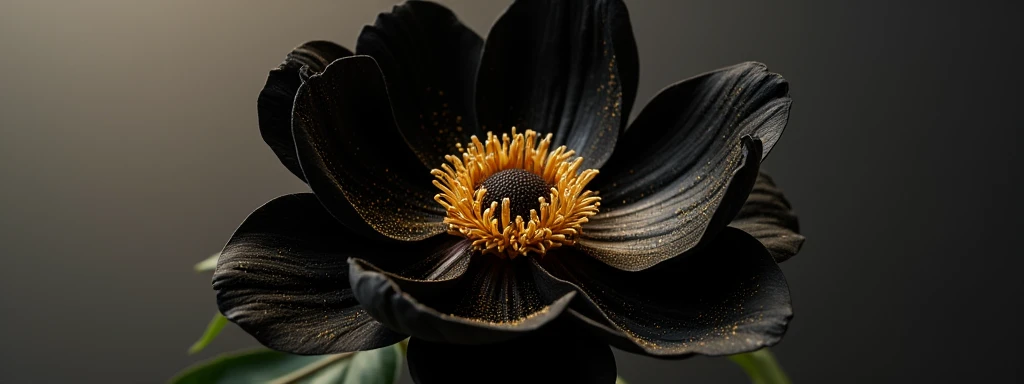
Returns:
(129,150)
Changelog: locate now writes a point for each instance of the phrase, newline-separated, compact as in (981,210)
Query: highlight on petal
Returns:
(356,160)
(275,101)
(671,221)
(556,353)
(683,169)
(283,278)
(728,298)
(564,67)
(429,60)
(768,216)
(495,300)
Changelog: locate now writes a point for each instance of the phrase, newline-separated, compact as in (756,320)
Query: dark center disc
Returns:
(520,186)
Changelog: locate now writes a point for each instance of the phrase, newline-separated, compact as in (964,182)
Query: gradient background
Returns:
(129,150)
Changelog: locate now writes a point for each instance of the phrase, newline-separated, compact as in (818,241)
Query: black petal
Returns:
(429,59)
(768,216)
(283,278)
(494,300)
(729,298)
(677,175)
(671,221)
(556,353)
(275,102)
(354,157)
(565,67)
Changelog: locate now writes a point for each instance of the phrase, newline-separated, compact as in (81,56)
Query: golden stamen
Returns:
(558,218)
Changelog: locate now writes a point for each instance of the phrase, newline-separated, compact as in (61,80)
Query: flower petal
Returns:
(354,157)
(275,102)
(729,298)
(556,353)
(565,67)
(283,278)
(678,174)
(669,222)
(429,59)
(495,300)
(768,216)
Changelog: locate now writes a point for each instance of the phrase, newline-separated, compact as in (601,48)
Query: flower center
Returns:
(523,189)
(512,197)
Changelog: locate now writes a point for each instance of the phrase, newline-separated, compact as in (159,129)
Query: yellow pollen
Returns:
(558,219)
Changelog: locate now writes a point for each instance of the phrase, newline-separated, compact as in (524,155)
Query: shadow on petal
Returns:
(767,216)
(673,180)
(430,60)
(494,300)
(729,298)
(569,68)
(673,221)
(278,95)
(356,160)
(283,278)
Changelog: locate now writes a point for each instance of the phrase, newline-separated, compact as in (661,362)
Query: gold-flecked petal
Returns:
(682,170)
(354,157)
(729,298)
(496,299)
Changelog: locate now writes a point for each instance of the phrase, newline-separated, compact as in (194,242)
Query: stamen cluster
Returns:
(558,218)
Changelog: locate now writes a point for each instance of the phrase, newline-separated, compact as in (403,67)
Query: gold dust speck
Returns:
(558,219)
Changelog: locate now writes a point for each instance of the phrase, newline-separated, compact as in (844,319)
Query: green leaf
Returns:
(379,366)
(212,330)
(208,264)
(620,380)
(761,367)
(259,366)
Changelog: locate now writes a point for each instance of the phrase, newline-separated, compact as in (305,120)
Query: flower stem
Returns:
(761,366)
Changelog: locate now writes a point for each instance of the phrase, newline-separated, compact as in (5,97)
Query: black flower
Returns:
(456,199)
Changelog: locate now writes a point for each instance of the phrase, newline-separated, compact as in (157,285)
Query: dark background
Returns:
(129,150)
